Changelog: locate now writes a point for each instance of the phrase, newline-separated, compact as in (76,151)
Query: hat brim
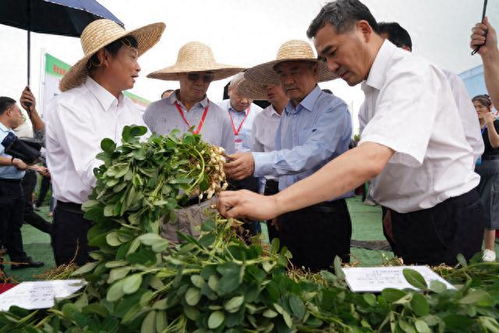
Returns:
(253,90)
(173,73)
(146,36)
(265,73)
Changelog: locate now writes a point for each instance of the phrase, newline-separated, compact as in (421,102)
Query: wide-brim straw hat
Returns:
(195,57)
(251,89)
(293,50)
(100,33)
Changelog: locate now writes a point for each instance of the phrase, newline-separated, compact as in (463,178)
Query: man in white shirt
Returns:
(90,108)
(413,143)
(241,113)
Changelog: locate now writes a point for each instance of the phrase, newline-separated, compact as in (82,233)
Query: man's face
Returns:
(16,117)
(238,101)
(275,93)
(123,67)
(346,54)
(298,78)
(193,86)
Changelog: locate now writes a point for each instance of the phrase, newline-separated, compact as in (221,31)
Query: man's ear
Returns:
(103,57)
(365,29)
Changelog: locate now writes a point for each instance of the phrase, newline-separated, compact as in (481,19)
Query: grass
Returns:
(366,222)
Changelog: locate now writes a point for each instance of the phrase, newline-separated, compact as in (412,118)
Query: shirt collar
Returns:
(380,66)
(307,103)
(173,98)
(105,98)
(273,112)
(4,128)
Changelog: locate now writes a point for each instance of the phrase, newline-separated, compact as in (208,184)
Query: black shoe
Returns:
(26,263)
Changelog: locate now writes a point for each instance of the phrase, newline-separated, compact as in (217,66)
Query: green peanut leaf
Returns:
(132,283)
(414,278)
(149,323)
(108,145)
(234,304)
(392,295)
(216,319)
(297,306)
(420,305)
(115,292)
(192,296)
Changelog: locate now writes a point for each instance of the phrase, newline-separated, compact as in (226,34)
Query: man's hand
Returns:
(19,164)
(247,204)
(484,35)
(41,170)
(27,97)
(241,166)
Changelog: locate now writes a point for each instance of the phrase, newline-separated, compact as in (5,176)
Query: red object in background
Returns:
(497,233)
(6,286)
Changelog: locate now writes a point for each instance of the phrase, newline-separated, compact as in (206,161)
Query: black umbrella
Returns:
(58,17)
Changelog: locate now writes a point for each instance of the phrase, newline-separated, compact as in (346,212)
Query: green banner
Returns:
(137,99)
(54,66)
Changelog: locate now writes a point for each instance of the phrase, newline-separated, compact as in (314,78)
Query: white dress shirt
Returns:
(264,129)
(76,122)
(241,124)
(409,107)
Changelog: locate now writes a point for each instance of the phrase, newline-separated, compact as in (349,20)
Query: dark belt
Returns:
(490,157)
(69,206)
(7,180)
(328,206)
(271,187)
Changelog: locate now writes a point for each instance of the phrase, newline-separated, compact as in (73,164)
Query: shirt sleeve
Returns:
(333,126)
(471,124)
(78,138)
(148,117)
(405,112)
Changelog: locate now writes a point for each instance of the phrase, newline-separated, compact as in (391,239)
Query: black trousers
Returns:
(251,184)
(271,187)
(30,217)
(69,235)
(11,218)
(317,234)
(438,234)
(44,188)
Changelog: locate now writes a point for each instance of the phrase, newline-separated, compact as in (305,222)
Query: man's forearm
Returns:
(491,74)
(38,124)
(341,175)
(6,161)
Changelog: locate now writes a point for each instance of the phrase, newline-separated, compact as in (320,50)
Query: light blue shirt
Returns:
(309,136)
(8,171)
(243,140)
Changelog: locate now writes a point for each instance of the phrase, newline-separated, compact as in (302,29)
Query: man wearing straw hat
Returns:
(413,142)
(189,106)
(90,108)
(316,127)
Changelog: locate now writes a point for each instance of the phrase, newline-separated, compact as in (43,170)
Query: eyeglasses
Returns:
(208,77)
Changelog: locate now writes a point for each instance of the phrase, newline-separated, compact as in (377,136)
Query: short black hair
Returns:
(342,15)
(5,103)
(113,49)
(396,34)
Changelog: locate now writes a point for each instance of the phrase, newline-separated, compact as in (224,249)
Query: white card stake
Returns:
(375,279)
(38,294)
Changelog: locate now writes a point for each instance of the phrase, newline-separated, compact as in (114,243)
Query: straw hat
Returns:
(252,89)
(195,57)
(293,50)
(100,33)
